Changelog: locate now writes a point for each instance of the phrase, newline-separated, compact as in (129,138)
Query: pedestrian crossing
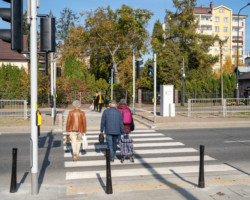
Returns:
(155,154)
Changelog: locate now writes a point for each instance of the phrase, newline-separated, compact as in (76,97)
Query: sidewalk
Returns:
(143,120)
(216,188)
(181,121)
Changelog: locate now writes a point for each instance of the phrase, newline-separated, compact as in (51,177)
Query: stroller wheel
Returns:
(122,159)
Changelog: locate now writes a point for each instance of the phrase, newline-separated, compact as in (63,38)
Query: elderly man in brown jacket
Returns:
(76,126)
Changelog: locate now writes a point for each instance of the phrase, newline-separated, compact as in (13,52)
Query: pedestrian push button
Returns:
(39,118)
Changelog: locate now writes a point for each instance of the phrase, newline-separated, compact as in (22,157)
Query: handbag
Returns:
(101,138)
(84,142)
(67,139)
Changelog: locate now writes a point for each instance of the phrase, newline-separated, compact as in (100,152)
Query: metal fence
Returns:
(218,107)
(147,97)
(13,108)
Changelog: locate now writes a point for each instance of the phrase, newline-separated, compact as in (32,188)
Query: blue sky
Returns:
(158,7)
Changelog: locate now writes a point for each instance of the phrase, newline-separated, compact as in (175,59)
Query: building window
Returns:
(225,29)
(225,38)
(221,10)
(217,28)
(224,58)
(217,19)
(216,48)
(225,19)
(225,48)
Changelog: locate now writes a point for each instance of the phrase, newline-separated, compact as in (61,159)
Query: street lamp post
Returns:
(237,71)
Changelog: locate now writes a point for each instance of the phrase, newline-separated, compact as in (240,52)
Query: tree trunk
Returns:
(126,95)
(116,70)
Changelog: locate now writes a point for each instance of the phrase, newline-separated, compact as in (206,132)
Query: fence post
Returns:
(224,107)
(189,107)
(25,110)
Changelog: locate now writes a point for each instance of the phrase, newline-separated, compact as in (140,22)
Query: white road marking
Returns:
(136,131)
(137,161)
(139,152)
(102,146)
(132,135)
(237,141)
(146,171)
(134,139)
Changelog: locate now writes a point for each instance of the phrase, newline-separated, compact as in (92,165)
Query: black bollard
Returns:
(38,131)
(201,183)
(13,173)
(109,189)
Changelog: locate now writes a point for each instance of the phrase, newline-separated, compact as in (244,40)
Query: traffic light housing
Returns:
(138,63)
(44,62)
(150,70)
(51,101)
(14,15)
(48,37)
(58,72)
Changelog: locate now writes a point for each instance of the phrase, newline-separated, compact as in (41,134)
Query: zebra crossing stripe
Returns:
(134,139)
(137,161)
(135,131)
(132,135)
(139,152)
(102,146)
(146,171)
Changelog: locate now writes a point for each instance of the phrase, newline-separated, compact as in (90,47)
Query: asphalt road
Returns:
(227,146)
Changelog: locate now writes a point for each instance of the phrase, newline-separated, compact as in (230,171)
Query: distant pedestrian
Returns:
(127,118)
(95,101)
(100,101)
(76,126)
(112,124)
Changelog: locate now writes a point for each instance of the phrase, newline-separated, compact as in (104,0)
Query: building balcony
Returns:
(235,33)
(206,23)
(235,41)
(235,24)
(204,31)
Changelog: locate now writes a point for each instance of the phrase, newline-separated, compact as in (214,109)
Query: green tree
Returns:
(73,69)
(115,32)
(194,47)
(67,20)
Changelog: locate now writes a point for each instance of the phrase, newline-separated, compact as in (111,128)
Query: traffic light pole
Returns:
(33,103)
(52,86)
(154,88)
(112,80)
(134,52)
(182,83)
(54,90)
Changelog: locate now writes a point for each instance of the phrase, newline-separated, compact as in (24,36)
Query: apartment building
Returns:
(222,22)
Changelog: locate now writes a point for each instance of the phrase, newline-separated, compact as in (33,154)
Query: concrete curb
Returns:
(145,123)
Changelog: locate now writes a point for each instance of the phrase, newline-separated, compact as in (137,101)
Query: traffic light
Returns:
(58,72)
(14,15)
(44,62)
(138,63)
(48,30)
(51,101)
(150,70)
